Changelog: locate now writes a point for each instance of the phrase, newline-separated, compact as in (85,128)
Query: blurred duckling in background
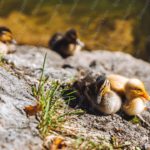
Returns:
(7,42)
(106,101)
(66,44)
(56,37)
(137,97)
(117,83)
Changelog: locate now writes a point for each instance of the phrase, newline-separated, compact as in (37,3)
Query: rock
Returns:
(32,57)
(16,130)
(29,60)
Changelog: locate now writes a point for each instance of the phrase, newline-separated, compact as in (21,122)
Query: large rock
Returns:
(32,57)
(29,60)
(16,130)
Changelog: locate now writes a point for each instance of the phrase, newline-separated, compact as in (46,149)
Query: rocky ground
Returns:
(17,130)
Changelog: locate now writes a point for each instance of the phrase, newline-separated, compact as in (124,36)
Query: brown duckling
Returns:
(66,44)
(101,97)
(137,97)
(56,37)
(7,42)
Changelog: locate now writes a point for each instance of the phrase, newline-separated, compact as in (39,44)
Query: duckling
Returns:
(106,101)
(56,37)
(117,83)
(7,42)
(66,44)
(137,97)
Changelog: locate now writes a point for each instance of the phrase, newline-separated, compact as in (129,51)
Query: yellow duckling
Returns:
(117,83)
(7,42)
(107,101)
(137,97)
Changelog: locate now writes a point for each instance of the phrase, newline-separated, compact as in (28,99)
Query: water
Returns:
(102,24)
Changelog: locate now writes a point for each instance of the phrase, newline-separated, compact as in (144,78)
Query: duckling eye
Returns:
(4,32)
(139,90)
(136,90)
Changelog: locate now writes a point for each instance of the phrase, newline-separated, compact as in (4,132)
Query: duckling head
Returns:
(71,37)
(6,35)
(102,86)
(135,88)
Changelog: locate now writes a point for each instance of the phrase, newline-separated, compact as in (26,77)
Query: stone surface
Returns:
(30,60)
(32,57)
(16,130)
(15,94)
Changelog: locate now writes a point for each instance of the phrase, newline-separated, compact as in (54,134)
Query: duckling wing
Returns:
(134,107)
(111,103)
(54,39)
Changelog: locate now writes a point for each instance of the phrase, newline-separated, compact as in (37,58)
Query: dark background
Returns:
(122,25)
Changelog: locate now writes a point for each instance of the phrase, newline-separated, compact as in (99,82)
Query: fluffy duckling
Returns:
(117,83)
(66,44)
(56,37)
(7,42)
(106,101)
(137,97)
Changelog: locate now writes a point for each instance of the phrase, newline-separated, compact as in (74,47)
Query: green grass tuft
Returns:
(87,144)
(136,120)
(53,109)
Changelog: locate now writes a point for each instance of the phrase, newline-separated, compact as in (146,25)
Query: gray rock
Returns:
(32,57)
(16,130)
(29,60)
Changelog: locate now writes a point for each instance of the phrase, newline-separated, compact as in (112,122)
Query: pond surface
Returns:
(102,24)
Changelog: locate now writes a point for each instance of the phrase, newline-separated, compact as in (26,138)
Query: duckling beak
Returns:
(78,42)
(14,41)
(146,96)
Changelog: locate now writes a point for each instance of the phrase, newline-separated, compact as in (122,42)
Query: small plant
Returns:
(117,145)
(53,108)
(49,96)
(1,59)
(136,120)
(87,144)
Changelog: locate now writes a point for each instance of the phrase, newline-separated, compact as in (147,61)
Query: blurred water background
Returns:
(113,25)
